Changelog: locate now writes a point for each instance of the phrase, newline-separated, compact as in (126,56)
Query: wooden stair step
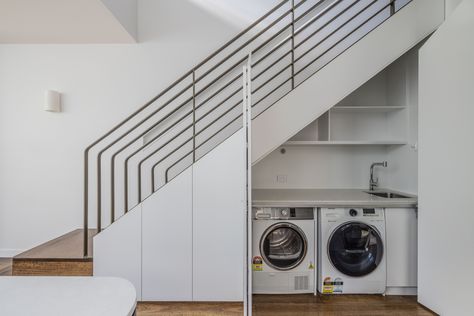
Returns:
(62,256)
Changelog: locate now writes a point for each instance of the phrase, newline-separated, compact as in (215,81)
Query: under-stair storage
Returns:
(375,114)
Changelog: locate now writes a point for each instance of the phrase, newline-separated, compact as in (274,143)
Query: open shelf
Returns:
(344,143)
(368,108)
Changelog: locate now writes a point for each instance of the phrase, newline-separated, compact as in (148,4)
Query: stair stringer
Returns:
(345,74)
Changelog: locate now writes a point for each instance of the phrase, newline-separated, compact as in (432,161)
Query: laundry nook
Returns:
(236,157)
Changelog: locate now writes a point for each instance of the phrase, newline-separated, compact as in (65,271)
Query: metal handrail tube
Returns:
(145,145)
(327,23)
(346,36)
(197,134)
(146,105)
(272,64)
(167,156)
(281,17)
(209,138)
(271,92)
(336,30)
(299,30)
(272,77)
(137,138)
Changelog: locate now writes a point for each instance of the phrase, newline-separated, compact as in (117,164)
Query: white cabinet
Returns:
(401,250)
(167,242)
(218,222)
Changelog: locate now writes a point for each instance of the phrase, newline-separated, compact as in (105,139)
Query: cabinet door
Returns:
(401,240)
(167,242)
(218,222)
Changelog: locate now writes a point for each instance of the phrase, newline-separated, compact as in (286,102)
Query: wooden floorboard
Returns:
(62,256)
(67,246)
(300,305)
(5,266)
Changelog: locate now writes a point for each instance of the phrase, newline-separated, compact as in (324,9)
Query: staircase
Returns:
(304,56)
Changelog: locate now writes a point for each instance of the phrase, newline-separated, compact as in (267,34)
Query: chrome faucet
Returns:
(374,182)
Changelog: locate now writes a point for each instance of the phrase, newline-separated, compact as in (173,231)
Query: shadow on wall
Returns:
(175,20)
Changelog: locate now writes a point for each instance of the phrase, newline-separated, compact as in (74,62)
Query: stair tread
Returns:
(66,247)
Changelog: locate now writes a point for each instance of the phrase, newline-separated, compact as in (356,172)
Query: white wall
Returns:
(41,152)
(446,217)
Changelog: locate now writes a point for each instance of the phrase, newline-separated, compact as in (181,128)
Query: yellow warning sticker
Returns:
(311,266)
(328,287)
(257,263)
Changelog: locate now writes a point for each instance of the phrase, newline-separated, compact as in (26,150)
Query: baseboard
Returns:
(10,253)
(401,291)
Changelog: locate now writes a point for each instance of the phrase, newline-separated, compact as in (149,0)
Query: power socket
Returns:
(282,178)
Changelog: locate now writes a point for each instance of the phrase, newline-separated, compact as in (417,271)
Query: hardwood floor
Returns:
(5,266)
(62,256)
(301,305)
(284,305)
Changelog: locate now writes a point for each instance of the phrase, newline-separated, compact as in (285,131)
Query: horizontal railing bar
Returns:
(266,15)
(281,17)
(346,36)
(271,92)
(209,138)
(327,23)
(220,90)
(218,105)
(300,29)
(272,77)
(317,16)
(305,13)
(166,157)
(215,120)
(272,64)
(260,113)
(336,30)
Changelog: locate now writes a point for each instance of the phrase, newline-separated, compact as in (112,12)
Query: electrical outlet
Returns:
(282,178)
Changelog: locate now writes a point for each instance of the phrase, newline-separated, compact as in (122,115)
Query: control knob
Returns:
(353,212)
(284,213)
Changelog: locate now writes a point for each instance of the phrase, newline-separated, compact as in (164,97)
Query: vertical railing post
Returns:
(194,115)
(86,203)
(292,44)
(392,7)
(99,194)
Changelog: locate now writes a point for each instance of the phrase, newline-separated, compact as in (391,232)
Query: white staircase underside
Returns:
(345,74)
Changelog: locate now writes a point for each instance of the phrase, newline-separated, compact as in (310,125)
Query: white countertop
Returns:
(328,198)
(72,296)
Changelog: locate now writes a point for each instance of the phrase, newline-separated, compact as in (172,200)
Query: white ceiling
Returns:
(60,21)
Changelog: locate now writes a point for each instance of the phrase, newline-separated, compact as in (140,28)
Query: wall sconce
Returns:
(52,101)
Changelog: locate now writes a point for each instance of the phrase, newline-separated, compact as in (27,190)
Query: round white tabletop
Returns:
(72,296)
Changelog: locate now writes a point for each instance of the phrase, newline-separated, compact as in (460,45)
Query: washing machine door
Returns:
(283,246)
(355,249)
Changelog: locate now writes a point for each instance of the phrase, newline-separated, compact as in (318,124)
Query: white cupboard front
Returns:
(401,250)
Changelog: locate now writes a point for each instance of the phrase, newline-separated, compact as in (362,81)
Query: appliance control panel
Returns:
(289,213)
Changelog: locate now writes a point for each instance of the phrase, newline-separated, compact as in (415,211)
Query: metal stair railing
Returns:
(208,94)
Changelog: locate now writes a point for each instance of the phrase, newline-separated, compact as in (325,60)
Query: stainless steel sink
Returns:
(389,195)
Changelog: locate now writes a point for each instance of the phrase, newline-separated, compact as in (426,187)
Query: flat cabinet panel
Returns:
(401,238)
(167,241)
(218,222)
(117,249)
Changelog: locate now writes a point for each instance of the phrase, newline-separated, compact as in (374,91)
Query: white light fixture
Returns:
(52,101)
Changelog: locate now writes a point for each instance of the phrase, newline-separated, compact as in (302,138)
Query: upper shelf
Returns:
(367,108)
(344,143)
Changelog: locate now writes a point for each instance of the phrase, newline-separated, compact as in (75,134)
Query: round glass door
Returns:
(355,249)
(283,246)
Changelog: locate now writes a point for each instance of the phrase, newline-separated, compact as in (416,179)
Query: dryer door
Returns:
(355,249)
(283,246)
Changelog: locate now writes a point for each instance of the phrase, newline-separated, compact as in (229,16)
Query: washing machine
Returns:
(352,255)
(284,246)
